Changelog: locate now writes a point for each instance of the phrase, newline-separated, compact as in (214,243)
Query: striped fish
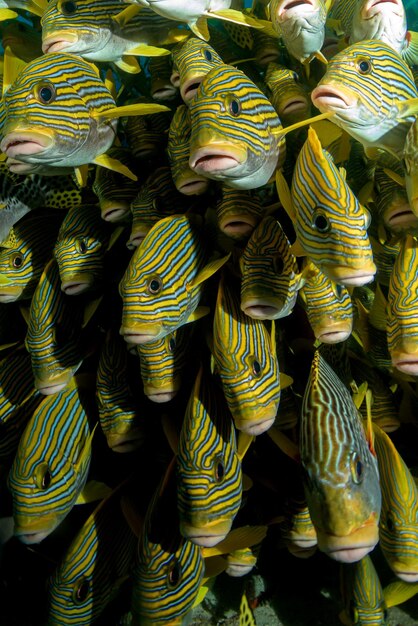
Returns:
(410,159)
(209,480)
(402,310)
(157,198)
(391,204)
(327,304)
(24,255)
(69,121)
(114,191)
(51,464)
(96,563)
(235,131)
(118,405)
(286,93)
(162,285)
(301,26)
(80,250)
(53,337)
(362,594)
(296,528)
(192,60)
(330,223)
(398,526)
(240,562)
(146,135)
(245,358)
(162,363)
(270,274)
(100,32)
(238,211)
(363,88)
(341,476)
(178,150)
(161,88)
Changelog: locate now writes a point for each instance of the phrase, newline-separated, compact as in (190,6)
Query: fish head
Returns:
(17,275)
(392,204)
(192,60)
(238,212)
(385,21)
(114,191)
(234,137)
(288,95)
(72,596)
(410,160)
(40,126)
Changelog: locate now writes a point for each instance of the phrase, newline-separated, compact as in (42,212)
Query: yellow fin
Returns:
(94,490)
(131,109)
(110,84)
(90,310)
(25,312)
(318,55)
(81,173)
(244,442)
(407,108)
(114,237)
(394,176)
(209,270)
(246,616)
(126,15)
(8,14)
(365,195)
(237,539)
(285,444)
(86,451)
(148,51)
(231,15)
(360,394)
(11,68)
(369,427)
(247,482)
(285,197)
(128,64)
(296,249)
(200,28)
(206,586)
(113,164)
(310,120)
(201,311)
(399,591)
(285,380)
(175,35)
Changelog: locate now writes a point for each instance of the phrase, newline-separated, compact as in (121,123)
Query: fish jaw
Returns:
(399,216)
(114,210)
(59,41)
(353,547)
(21,144)
(350,276)
(268,308)
(254,427)
(238,225)
(332,332)
(405,362)
(192,185)
(141,333)
(30,531)
(125,442)
(162,393)
(329,97)
(371,8)
(10,294)
(76,284)
(207,535)
(49,385)
(214,159)
(189,87)
(407,576)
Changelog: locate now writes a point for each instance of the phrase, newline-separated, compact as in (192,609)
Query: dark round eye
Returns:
(156,204)
(339,291)
(364,67)
(235,107)
(154,286)
(357,469)
(390,524)
(81,246)
(46,480)
(46,93)
(69,7)
(207,54)
(296,77)
(42,476)
(278,265)
(320,222)
(81,591)
(172,344)
(174,575)
(219,471)
(256,368)
(17,260)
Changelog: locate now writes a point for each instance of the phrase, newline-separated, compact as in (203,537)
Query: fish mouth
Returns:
(407,363)
(300,551)
(138,336)
(11,294)
(329,98)
(408,577)
(126,442)
(237,570)
(189,88)
(213,159)
(293,105)
(238,225)
(114,211)
(164,93)
(136,239)
(370,9)
(58,41)
(25,143)
(160,395)
(192,186)
(207,536)
(350,276)
(29,538)
(402,217)
(293,4)
(353,547)
(331,335)
(75,287)
(260,311)
(252,427)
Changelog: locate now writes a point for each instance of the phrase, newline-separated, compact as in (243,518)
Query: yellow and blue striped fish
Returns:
(118,405)
(146,135)
(245,359)
(192,60)
(296,529)
(362,595)
(80,249)
(402,310)
(24,255)
(53,339)
(162,285)
(161,89)
(286,93)
(327,304)
(330,223)
(235,131)
(363,88)
(270,276)
(410,159)
(162,363)
(209,479)
(96,563)
(238,211)
(178,150)
(51,464)
(341,476)
(391,203)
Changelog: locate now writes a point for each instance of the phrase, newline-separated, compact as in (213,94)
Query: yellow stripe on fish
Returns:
(362,595)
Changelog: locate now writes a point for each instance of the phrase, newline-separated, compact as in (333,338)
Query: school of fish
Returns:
(209,298)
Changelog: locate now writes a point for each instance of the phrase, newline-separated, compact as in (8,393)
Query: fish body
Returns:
(238,212)
(114,191)
(410,158)
(364,86)
(245,358)
(302,26)
(342,481)
(51,465)
(53,336)
(178,149)
(209,479)
(398,523)
(330,223)
(270,275)
(80,249)
(192,60)
(288,96)
(362,594)
(161,292)
(234,136)
(28,249)
(402,311)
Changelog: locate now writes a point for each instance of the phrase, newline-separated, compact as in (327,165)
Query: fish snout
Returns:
(21,143)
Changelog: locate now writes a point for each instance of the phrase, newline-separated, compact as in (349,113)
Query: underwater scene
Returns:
(209,305)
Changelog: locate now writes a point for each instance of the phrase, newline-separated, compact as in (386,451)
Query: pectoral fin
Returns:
(94,490)
(148,51)
(200,28)
(129,110)
(231,15)
(128,64)
(209,270)
(113,164)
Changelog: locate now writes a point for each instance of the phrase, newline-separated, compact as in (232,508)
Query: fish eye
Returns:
(256,368)
(207,54)
(69,7)
(156,204)
(295,76)
(278,265)
(81,591)
(364,66)
(81,246)
(219,470)
(339,291)
(320,222)
(354,615)
(357,469)
(235,107)
(174,575)
(45,93)
(172,344)
(390,523)
(42,476)
(17,260)
(154,286)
